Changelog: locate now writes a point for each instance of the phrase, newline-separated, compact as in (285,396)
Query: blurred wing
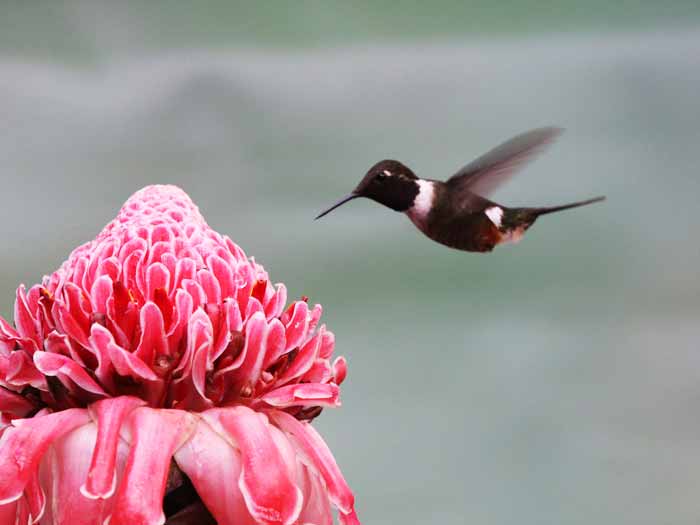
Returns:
(485,174)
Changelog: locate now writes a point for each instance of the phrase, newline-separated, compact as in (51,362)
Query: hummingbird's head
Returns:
(388,182)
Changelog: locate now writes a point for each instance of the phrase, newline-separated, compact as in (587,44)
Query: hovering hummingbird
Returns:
(456,212)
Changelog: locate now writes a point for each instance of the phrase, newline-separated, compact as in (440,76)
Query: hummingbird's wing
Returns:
(485,174)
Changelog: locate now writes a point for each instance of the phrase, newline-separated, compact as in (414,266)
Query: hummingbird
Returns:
(457,212)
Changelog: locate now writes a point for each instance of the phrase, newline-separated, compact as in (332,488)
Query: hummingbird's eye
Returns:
(383,175)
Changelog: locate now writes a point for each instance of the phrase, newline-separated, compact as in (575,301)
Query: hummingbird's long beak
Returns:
(339,203)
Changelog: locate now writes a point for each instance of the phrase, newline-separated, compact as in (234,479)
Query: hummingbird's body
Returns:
(455,212)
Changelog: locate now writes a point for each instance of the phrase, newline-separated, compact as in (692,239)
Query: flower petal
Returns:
(265,482)
(14,404)
(64,367)
(35,497)
(125,363)
(298,325)
(110,414)
(304,394)
(316,504)
(214,467)
(155,435)
(63,470)
(319,456)
(22,447)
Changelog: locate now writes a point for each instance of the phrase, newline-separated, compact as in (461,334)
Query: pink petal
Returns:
(276,342)
(254,352)
(319,456)
(297,325)
(35,497)
(24,320)
(214,467)
(21,371)
(22,447)
(275,306)
(153,342)
(327,343)
(320,372)
(155,435)
(316,508)
(340,370)
(157,277)
(223,274)
(210,285)
(57,343)
(303,394)
(200,334)
(63,470)
(266,483)
(64,367)
(76,312)
(314,317)
(125,363)
(110,414)
(185,268)
(349,518)
(303,361)
(102,290)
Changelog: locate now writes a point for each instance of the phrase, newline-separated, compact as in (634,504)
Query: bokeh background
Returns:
(556,381)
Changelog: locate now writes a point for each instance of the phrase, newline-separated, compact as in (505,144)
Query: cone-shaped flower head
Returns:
(160,349)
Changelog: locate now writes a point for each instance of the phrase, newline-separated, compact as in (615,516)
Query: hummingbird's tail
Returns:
(518,220)
(554,209)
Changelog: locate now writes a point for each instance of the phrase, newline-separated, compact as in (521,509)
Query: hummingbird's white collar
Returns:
(423,202)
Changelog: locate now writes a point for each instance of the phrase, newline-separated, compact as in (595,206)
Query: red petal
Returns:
(266,482)
(110,414)
(14,404)
(8,513)
(155,435)
(22,447)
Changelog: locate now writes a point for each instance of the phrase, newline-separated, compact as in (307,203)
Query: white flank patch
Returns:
(495,214)
(422,203)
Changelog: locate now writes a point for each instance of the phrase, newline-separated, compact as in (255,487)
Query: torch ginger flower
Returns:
(160,349)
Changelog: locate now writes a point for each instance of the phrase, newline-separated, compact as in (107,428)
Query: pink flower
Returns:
(159,349)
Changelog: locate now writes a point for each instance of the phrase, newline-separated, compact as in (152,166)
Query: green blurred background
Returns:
(552,382)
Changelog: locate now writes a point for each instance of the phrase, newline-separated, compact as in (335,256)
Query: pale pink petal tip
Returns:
(161,341)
